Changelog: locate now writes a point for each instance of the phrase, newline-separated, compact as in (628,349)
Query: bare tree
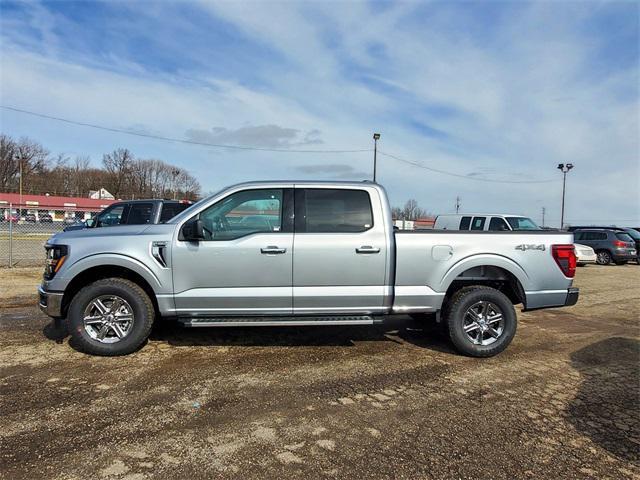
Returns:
(410,211)
(118,165)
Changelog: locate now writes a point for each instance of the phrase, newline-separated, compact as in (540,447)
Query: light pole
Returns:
(376,137)
(564,169)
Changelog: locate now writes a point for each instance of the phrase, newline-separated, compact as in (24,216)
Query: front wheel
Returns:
(481,321)
(112,316)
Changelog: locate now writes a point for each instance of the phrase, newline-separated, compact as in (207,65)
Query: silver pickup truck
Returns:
(299,253)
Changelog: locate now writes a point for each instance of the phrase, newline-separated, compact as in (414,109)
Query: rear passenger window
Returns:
(478,223)
(498,225)
(578,236)
(326,210)
(139,213)
(601,236)
(464,223)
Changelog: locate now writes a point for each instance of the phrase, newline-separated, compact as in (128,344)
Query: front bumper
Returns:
(50,302)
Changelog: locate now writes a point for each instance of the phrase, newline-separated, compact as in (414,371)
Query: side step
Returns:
(279,321)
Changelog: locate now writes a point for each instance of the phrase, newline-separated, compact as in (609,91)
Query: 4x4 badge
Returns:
(524,247)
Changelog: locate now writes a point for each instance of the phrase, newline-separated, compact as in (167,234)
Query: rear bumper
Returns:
(624,256)
(551,298)
(572,296)
(50,302)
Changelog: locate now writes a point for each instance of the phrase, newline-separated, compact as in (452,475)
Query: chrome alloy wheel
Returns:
(108,318)
(483,323)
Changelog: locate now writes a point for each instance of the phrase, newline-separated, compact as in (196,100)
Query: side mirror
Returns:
(193,230)
(90,223)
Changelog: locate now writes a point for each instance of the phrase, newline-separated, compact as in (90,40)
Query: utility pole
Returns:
(457,204)
(544,210)
(376,137)
(564,169)
(20,201)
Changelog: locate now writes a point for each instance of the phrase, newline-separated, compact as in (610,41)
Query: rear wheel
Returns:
(481,321)
(603,257)
(110,317)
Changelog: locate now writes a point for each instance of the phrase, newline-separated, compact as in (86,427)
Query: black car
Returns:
(45,218)
(134,212)
(610,245)
(30,217)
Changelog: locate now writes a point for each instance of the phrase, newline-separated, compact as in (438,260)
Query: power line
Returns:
(458,175)
(170,139)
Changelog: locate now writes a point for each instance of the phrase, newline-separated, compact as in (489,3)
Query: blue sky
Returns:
(487,90)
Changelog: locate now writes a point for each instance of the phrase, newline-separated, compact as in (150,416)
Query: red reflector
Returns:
(565,257)
(619,243)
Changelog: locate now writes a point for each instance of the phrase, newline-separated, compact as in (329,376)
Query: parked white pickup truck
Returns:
(299,253)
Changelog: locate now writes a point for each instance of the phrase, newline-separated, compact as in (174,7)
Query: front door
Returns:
(244,264)
(339,262)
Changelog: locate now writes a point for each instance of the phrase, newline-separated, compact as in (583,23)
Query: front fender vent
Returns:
(159,253)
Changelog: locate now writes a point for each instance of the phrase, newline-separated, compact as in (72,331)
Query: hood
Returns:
(115,231)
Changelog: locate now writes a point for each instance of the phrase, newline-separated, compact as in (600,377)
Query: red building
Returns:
(58,207)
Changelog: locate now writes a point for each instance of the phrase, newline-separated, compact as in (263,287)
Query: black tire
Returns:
(580,264)
(138,300)
(457,309)
(603,257)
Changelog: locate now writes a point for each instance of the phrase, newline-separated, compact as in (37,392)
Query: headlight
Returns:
(56,255)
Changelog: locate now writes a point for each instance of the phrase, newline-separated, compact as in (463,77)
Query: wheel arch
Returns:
(102,271)
(489,270)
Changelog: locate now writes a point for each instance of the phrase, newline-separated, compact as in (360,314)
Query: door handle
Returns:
(272,250)
(367,249)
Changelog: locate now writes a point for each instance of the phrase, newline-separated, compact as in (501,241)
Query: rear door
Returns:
(340,252)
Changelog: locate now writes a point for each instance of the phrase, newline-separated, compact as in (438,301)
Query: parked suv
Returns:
(610,245)
(134,212)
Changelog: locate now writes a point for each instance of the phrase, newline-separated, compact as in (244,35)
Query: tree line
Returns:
(410,211)
(121,173)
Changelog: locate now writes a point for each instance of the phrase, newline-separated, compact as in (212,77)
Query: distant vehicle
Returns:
(133,212)
(30,217)
(71,221)
(634,233)
(46,218)
(610,245)
(484,222)
(11,217)
(584,254)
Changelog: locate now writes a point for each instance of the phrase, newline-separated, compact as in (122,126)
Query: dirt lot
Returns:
(385,402)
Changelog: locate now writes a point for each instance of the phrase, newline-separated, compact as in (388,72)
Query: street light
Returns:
(564,169)
(376,137)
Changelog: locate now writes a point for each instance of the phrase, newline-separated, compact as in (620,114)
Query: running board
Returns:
(279,321)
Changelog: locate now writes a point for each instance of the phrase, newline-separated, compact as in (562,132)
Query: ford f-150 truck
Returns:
(299,253)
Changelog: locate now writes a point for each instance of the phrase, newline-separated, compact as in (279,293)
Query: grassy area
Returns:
(18,286)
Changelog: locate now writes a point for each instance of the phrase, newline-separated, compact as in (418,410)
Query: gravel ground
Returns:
(392,401)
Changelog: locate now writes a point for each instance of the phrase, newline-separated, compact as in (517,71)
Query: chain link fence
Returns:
(24,232)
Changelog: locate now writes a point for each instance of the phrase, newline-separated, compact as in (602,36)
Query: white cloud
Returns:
(513,101)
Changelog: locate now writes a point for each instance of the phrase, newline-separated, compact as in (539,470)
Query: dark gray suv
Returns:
(609,245)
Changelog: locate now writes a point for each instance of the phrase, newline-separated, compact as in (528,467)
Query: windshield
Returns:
(188,211)
(522,223)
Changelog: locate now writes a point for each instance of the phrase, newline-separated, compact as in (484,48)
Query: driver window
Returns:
(243,213)
(498,225)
